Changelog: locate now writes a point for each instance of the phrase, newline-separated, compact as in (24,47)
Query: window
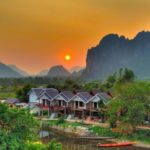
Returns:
(81,104)
(59,103)
(76,104)
(64,103)
(95,105)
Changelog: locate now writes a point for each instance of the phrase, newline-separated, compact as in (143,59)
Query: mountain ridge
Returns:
(7,72)
(58,71)
(114,52)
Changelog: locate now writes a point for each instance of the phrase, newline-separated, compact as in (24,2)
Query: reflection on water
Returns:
(73,143)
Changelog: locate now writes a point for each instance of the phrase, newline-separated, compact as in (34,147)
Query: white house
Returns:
(34,94)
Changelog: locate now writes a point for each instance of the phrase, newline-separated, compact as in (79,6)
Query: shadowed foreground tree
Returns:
(19,131)
(17,126)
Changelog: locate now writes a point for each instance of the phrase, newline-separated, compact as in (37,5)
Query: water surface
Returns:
(71,142)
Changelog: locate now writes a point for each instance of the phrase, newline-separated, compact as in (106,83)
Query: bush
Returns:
(104,131)
(61,120)
(53,145)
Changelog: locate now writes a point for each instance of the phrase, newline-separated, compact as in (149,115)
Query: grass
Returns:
(5,95)
(65,123)
(101,131)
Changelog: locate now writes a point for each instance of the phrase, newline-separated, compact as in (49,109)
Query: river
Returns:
(71,142)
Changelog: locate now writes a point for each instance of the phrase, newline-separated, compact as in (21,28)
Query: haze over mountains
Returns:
(20,71)
(8,72)
(12,71)
(115,52)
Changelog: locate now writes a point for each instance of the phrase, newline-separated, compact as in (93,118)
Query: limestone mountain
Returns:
(42,73)
(58,71)
(20,71)
(7,72)
(115,52)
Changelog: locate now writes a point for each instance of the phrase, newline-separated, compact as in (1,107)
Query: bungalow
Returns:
(45,98)
(74,104)
(60,102)
(97,103)
(98,98)
(78,104)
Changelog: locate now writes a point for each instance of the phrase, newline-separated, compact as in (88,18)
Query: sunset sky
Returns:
(37,34)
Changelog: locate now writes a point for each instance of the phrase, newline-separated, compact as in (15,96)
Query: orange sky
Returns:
(36,34)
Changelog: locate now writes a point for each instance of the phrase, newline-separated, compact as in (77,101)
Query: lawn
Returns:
(5,95)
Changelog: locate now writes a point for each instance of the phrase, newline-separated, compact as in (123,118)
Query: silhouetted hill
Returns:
(43,73)
(115,52)
(58,71)
(7,72)
(20,71)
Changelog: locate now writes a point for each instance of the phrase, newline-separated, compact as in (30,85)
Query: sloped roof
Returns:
(50,92)
(104,96)
(36,90)
(67,95)
(85,96)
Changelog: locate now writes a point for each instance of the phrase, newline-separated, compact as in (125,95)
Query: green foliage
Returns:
(138,135)
(65,123)
(110,81)
(103,131)
(35,146)
(93,85)
(53,145)
(16,127)
(22,93)
(129,104)
(68,84)
(126,75)
(61,120)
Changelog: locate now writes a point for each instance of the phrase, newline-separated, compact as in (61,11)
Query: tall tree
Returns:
(129,104)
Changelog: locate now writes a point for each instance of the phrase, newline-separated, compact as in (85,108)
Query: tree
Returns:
(22,94)
(129,105)
(93,85)
(126,75)
(17,126)
(110,81)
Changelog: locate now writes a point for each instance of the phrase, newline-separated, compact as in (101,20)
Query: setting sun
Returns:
(67,57)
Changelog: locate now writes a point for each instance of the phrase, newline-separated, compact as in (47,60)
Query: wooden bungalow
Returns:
(60,102)
(97,104)
(45,99)
(78,104)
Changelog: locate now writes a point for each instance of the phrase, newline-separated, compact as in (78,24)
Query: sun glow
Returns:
(67,57)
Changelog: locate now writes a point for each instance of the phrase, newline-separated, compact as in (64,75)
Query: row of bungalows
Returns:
(71,104)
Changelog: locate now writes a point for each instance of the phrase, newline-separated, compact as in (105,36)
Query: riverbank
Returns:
(82,129)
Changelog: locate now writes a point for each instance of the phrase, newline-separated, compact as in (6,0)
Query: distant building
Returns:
(12,101)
